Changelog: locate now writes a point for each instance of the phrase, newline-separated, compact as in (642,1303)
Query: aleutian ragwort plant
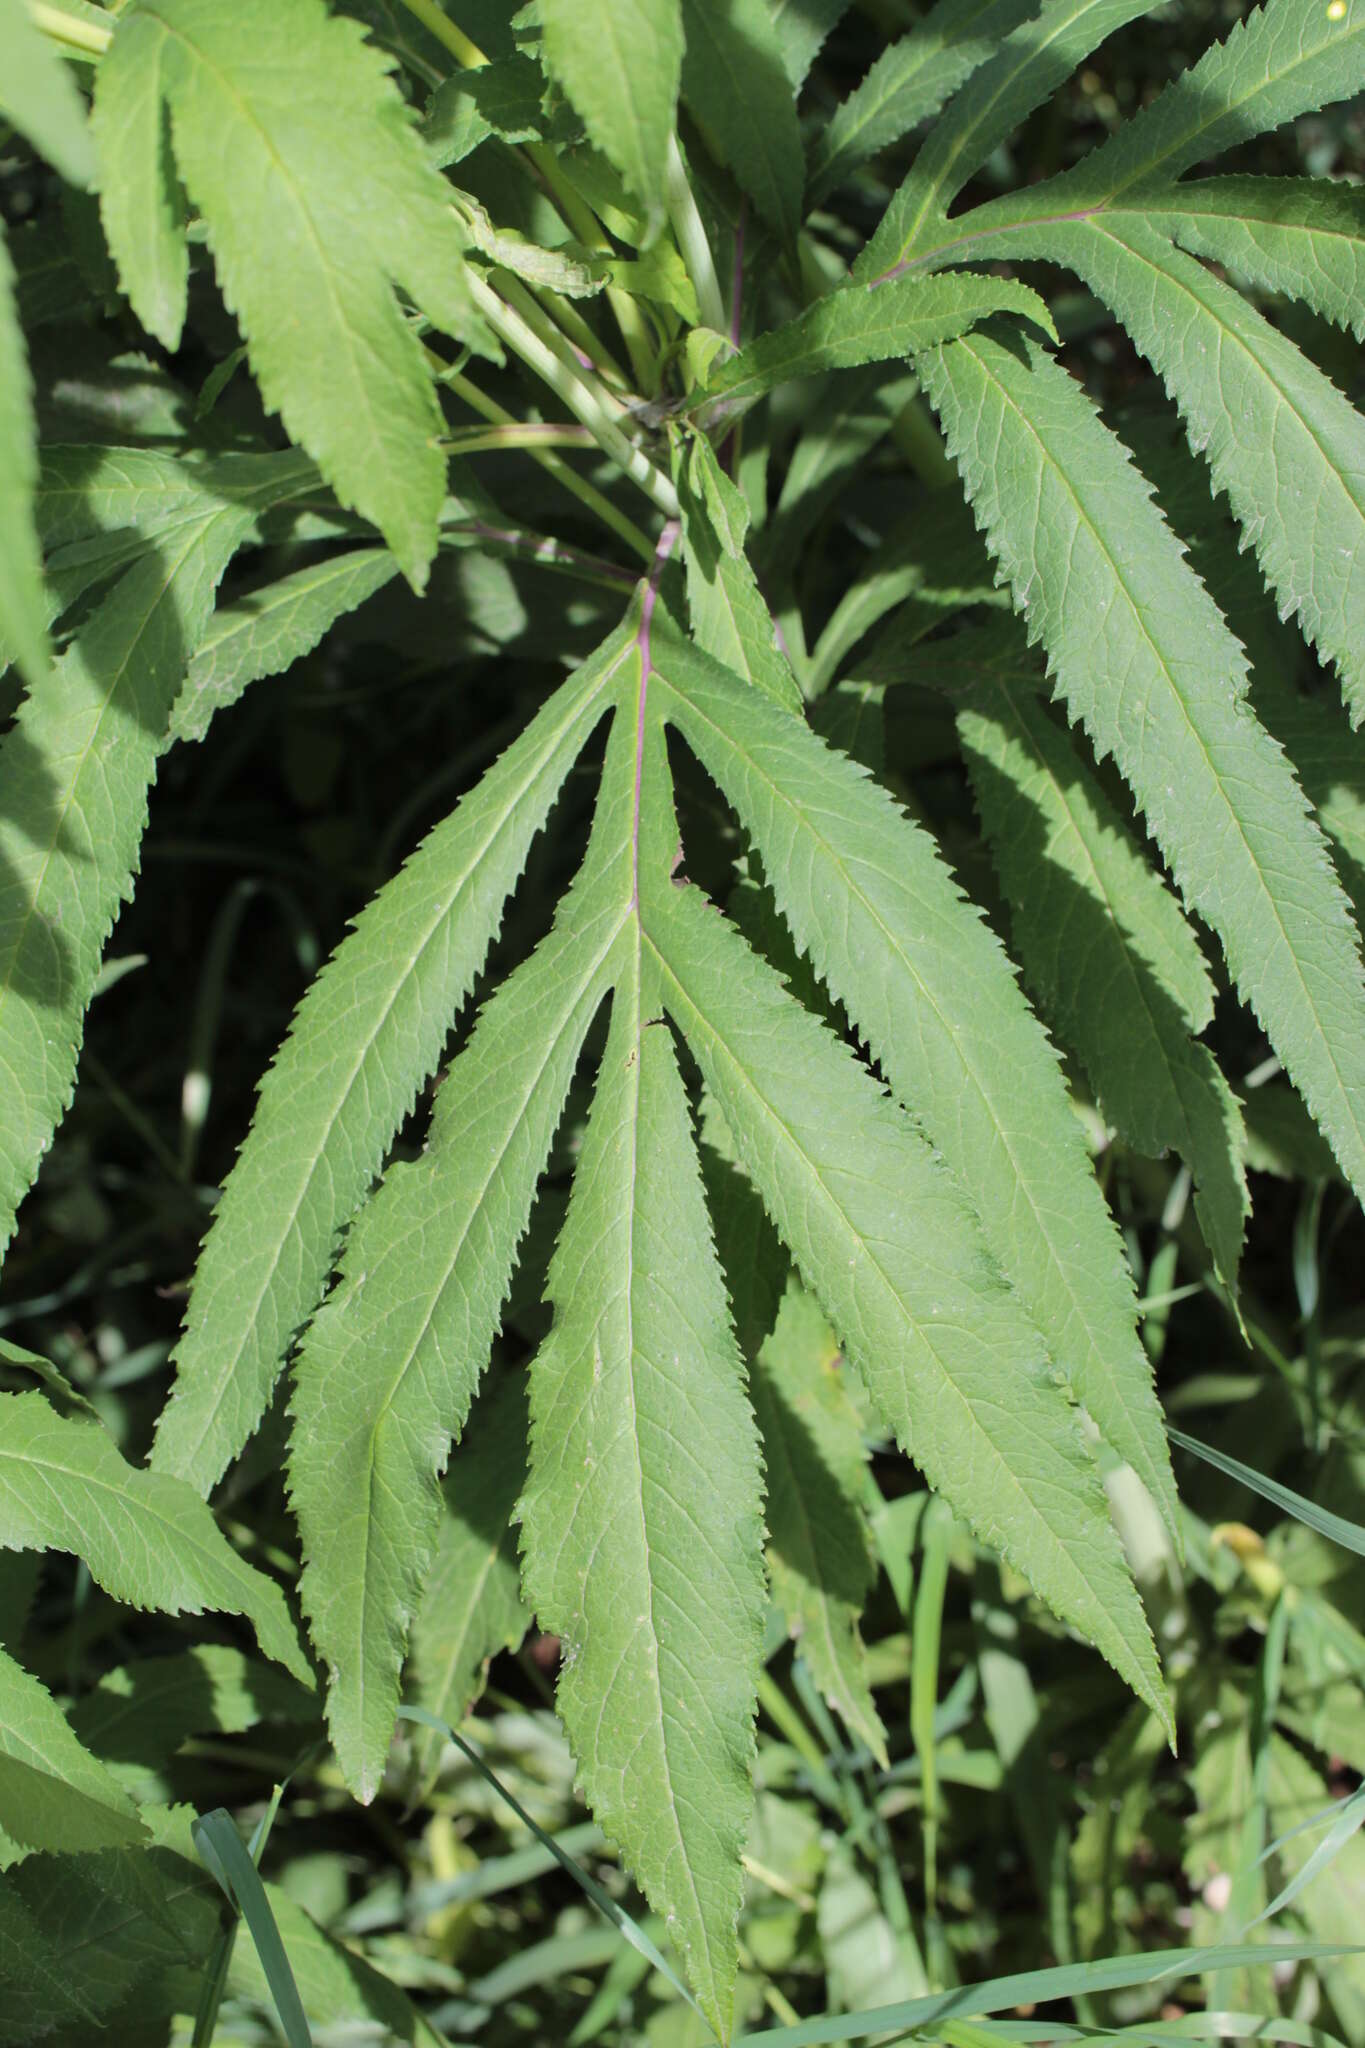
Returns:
(824,1111)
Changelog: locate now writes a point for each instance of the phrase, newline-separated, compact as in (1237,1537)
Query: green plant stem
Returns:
(784,1717)
(567,317)
(84,38)
(586,399)
(520,435)
(587,494)
(438,24)
(577,214)
(696,250)
(551,332)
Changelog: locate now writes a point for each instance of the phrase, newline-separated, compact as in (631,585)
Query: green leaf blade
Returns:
(620,62)
(1281,440)
(1142,657)
(147,1539)
(471,1603)
(927,984)
(862,324)
(306,113)
(80,759)
(819,1556)
(38,96)
(24,606)
(263,634)
(1304,237)
(53,1793)
(1284,59)
(1103,942)
(1031,62)
(369,1030)
(644,1462)
(909,82)
(945,1352)
(734,81)
(389,1366)
(141,203)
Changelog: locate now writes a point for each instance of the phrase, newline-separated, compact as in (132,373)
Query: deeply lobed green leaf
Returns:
(1102,941)
(926,983)
(1144,660)
(368,1032)
(316,196)
(890,1248)
(147,1538)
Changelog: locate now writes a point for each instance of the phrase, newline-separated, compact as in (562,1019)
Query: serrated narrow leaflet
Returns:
(286,124)
(887,1243)
(78,762)
(909,82)
(862,325)
(1098,934)
(642,1524)
(868,897)
(142,203)
(736,86)
(1144,660)
(389,1366)
(1286,58)
(262,633)
(367,1034)
(1030,63)
(53,1793)
(619,63)
(471,1603)
(146,1538)
(1280,439)
(1304,237)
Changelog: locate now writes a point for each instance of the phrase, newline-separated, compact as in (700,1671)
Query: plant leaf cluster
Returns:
(818,1091)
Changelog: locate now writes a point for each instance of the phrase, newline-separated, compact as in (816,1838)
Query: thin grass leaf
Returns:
(553,1849)
(1349,1535)
(999,1994)
(220,1846)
